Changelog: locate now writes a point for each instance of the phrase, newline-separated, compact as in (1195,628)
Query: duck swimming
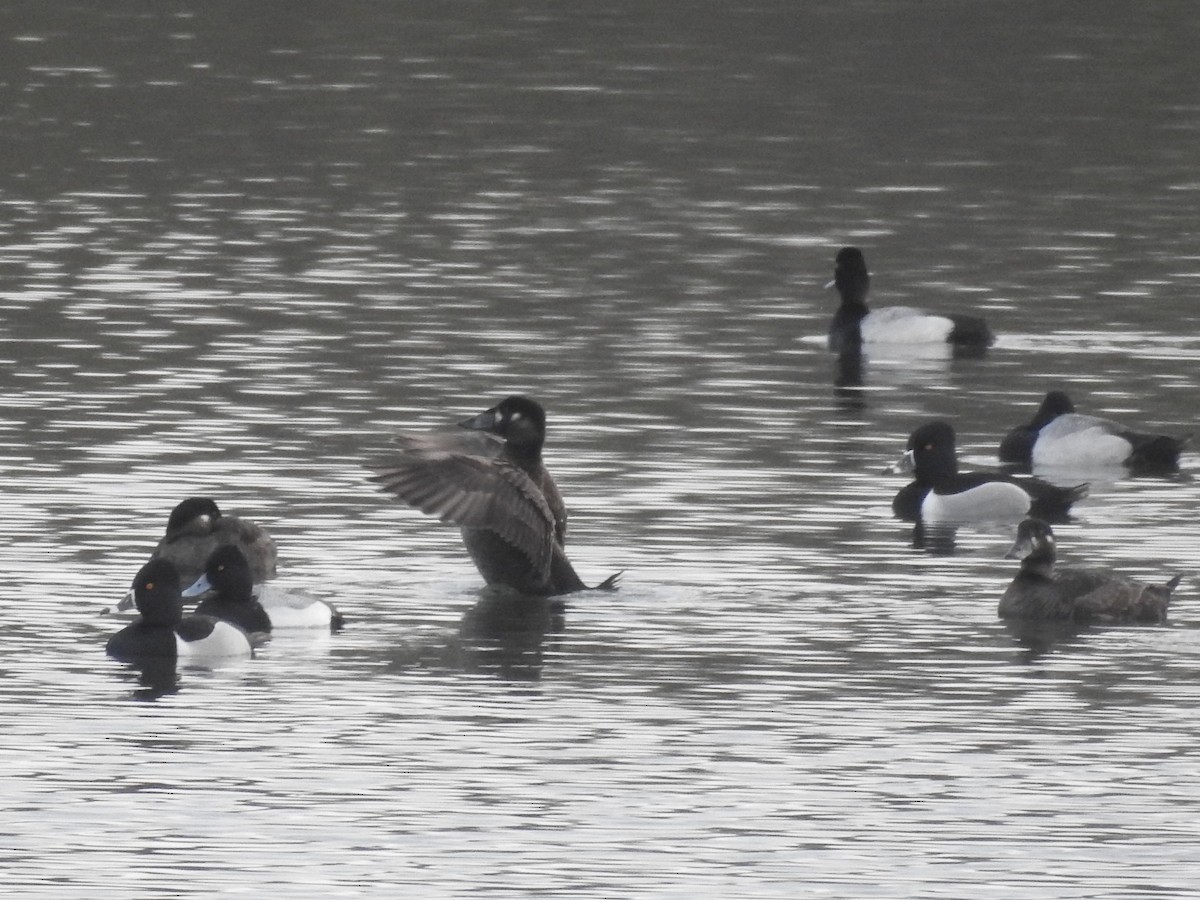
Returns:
(197,527)
(855,326)
(495,487)
(1059,436)
(162,631)
(1042,591)
(228,583)
(941,493)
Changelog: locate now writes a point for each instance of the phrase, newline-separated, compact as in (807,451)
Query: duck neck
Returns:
(940,475)
(1039,564)
(524,455)
(237,589)
(853,289)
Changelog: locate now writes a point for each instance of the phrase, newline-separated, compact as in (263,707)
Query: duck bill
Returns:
(485,421)
(127,602)
(201,585)
(902,465)
(1021,549)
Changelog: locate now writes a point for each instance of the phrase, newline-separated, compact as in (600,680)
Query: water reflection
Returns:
(503,634)
(1037,639)
(156,677)
(938,538)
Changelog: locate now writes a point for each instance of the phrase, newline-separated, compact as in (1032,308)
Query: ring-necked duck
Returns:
(1059,436)
(163,631)
(855,326)
(498,492)
(227,575)
(942,493)
(1041,591)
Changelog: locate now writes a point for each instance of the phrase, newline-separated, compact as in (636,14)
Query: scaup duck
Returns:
(162,630)
(941,493)
(233,598)
(197,527)
(1059,436)
(1042,591)
(855,326)
(498,491)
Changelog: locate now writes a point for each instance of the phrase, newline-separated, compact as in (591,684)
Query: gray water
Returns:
(240,244)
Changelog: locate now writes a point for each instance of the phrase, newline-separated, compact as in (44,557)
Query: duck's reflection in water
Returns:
(848,380)
(937,538)
(504,634)
(156,676)
(1036,639)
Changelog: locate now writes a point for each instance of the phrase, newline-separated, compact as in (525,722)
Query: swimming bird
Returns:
(941,493)
(1043,591)
(855,326)
(1059,436)
(162,630)
(197,527)
(229,583)
(495,487)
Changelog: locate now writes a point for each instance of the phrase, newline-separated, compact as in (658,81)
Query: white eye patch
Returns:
(514,417)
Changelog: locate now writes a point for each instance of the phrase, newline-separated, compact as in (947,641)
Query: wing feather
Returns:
(473,491)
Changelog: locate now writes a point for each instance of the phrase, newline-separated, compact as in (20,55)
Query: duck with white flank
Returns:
(941,493)
(1057,436)
(162,631)
(855,327)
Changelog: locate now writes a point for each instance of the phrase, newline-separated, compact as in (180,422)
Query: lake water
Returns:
(243,243)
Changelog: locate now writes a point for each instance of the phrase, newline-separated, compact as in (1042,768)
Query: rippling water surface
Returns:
(241,245)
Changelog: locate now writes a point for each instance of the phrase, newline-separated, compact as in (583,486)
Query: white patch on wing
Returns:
(904,324)
(1079,441)
(994,501)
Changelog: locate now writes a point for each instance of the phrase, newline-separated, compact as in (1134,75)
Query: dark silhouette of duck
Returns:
(941,493)
(1059,436)
(197,527)
(855,326)
(162,631)
(495,487)
(227,592)
(1042,591)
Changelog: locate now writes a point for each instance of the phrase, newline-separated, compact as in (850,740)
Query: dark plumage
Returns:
(941,492)
(227,577)
(1058,436)
(163,631)
(495,487)
(197,527)
(855,325)
(1043,592)
(235,598)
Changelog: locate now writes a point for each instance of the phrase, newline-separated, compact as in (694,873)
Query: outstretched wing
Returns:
(461,441)
(475,492)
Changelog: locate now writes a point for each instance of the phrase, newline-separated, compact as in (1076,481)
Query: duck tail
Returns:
(1158,453)
(609,583)
(1078,492)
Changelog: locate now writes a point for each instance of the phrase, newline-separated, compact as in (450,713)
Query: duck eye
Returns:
(929,446)
(149,585)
